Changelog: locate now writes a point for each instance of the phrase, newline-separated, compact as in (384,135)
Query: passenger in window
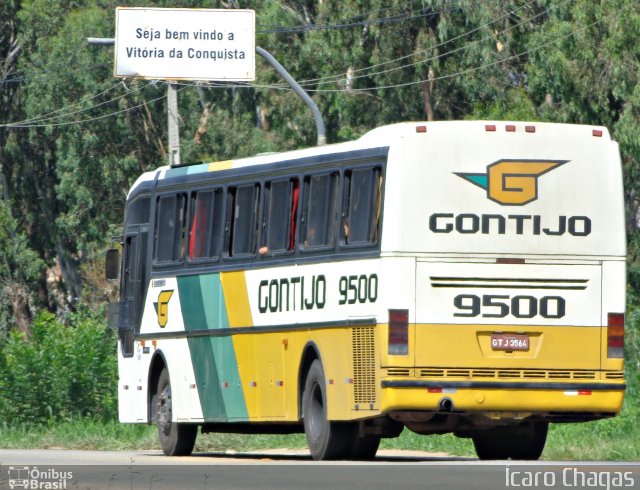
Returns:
(310,239)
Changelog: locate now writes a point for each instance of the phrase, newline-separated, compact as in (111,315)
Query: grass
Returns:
(79,434)
(609,440)
(614,439)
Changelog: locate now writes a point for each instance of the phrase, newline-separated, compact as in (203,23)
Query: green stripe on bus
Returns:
(187,170)
(176,172)
(213,358)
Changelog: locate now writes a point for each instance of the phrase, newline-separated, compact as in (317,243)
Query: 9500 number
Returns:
(358,289)
(500,306)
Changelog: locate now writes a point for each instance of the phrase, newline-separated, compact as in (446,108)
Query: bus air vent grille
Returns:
(615,375)
(458,373)
(512,374)
(364,365)
(432,373)
(398,372)
(483,373)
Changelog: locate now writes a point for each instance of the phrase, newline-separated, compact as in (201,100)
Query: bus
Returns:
(445,277)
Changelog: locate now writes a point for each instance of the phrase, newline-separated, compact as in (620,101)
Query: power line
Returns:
(364,23)
(335,78)
(446,76)
(37,121)
(47,76)
(43,117)
(470,70)
(82,121)
(349,22)
(356,21)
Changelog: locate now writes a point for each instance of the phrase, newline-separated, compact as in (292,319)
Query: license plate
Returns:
(509,342)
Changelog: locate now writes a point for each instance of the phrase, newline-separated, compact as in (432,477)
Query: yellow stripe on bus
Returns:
(236,301)
(224,165)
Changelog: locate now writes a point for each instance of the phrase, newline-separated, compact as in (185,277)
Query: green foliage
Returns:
(632,351)
(63,370)
(20,268)
(365,63)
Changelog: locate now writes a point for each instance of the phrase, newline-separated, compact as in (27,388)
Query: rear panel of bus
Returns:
(503,250)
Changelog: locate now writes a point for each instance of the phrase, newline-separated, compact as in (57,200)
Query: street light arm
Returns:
(317,116)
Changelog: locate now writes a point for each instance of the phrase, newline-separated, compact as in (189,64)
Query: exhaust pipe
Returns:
(446,405)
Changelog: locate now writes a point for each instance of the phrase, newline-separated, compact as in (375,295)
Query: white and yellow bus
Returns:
(464,277)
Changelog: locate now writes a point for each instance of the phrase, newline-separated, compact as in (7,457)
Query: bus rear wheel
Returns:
(364,448)
(523,443)
(175,439)
(326,439)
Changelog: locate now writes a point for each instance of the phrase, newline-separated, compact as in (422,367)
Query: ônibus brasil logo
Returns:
(512,182)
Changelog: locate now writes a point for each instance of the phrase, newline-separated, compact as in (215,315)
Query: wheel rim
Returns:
(164,411)
(316,412)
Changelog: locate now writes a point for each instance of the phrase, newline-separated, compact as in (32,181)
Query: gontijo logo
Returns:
(512,182)
(162,307)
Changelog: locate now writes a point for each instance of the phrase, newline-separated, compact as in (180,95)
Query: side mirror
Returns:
(112,264)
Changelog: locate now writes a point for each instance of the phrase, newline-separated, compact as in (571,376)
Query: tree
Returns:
(88,136)
(20,268)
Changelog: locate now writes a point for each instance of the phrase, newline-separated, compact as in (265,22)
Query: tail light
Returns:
(615,335)
(398,332)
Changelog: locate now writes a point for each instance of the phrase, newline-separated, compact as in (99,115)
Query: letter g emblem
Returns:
(162,307)
(512,182)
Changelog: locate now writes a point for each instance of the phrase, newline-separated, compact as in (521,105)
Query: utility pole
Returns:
(173,116)
(173,119)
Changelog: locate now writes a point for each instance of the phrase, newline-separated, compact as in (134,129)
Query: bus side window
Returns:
(243,202)
(200,231)
(320,209)
(361,206)
(279,216)
(170,228)
(217,224)
(295,198)
(207,220)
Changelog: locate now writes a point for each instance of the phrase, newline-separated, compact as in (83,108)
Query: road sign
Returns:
(185,44)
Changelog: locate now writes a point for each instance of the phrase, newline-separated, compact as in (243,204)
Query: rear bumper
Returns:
(488,396)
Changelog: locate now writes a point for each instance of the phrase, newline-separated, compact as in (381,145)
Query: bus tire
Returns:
(512,442)
(175,439)
(364,448)
(327,440)
(531,447)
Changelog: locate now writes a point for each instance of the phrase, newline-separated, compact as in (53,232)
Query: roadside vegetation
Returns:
(58,390)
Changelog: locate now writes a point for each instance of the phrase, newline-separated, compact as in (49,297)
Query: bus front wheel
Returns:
(524,443)
(326,439)
(175,439)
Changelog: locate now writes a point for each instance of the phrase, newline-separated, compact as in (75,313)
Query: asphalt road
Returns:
(282,470)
